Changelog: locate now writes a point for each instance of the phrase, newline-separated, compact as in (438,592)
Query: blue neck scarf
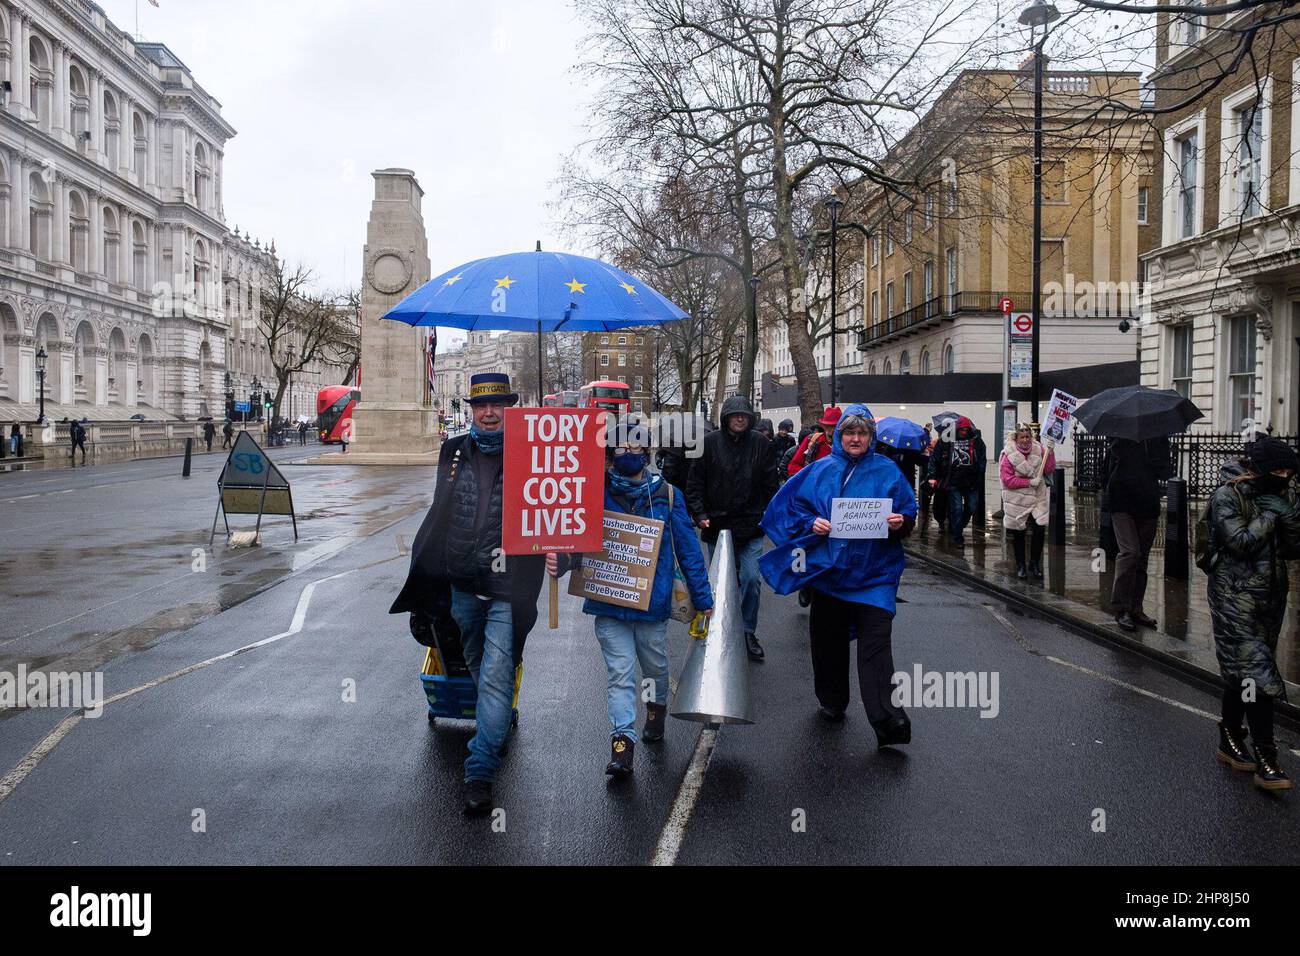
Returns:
(631,489)
(489,443)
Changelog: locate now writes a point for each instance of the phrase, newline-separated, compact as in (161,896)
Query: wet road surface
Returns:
(267,749)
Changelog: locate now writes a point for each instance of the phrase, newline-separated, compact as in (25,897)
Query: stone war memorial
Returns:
(394,423)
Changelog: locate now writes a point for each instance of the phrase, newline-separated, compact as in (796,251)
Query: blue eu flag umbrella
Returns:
(536,291)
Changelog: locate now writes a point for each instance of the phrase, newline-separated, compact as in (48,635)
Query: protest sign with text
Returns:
(624,571)
(860,517)
(554,484)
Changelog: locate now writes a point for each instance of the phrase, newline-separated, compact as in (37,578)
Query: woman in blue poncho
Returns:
(853,581)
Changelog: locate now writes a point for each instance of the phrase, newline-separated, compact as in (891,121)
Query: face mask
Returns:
(1271,484)
(631,463)
(1024,445)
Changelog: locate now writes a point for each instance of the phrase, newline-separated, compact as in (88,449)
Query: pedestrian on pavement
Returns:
(764,428)
(460,584)
(628,635)
(227,434)
(77,434)
(16,440)
(1134,471)
(729,487)
(853,581)
(817,444)
(784,439)
(957,468)
(209,433)
(302,433)
(1254,529)
(1025,497)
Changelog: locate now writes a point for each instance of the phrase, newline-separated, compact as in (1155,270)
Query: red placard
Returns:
(554,484)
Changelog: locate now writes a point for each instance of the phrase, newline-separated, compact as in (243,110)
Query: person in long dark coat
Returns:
(1254,519)
(460,586)
(1134,471)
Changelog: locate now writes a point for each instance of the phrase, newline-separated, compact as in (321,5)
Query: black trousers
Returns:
(1258,714)
(832,623)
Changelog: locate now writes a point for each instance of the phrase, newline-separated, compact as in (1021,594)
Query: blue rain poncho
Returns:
(859,570)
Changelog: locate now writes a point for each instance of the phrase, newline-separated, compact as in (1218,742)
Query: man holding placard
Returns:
(838,526)
(461,583)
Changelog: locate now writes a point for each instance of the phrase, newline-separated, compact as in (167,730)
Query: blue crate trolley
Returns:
(449,689)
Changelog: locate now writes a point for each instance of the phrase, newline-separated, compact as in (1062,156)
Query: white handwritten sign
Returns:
(860,517)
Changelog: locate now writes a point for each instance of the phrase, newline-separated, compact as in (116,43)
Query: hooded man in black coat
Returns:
(464,588)
(729,487)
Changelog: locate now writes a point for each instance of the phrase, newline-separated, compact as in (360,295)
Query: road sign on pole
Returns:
(1006,305)
(1020,329)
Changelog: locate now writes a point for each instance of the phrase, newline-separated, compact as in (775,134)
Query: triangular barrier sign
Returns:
(251,484)
(246,466)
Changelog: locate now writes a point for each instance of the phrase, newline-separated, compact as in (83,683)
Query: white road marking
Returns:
(14,777)
(1015,632)
(24,767)
(670,840)
(1133,687)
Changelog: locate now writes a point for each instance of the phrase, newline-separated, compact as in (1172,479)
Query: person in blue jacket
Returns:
(627,635)
(853,581)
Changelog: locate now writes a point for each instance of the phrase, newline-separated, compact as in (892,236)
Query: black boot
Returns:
(831,715)
(1036,553)
(655,717)
(805,597)
(895,732)
(1018,546)
(1036,571)
(478,797)
(1269,774)
(620,756)
(1233,750)
(754,648)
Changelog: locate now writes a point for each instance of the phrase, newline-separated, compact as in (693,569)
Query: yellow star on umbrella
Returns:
(631,290)
(506,282)
(452,281)
(576,286)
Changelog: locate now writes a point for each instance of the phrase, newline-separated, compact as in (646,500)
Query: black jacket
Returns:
(734,479)
(965,470)
(427,591)
(1133,472)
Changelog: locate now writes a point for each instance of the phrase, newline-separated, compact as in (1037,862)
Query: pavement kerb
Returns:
(1190,672)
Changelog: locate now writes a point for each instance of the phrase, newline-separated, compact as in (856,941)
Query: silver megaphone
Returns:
(714,686)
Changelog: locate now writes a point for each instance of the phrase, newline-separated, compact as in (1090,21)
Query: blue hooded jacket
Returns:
(680,541)
(859,570)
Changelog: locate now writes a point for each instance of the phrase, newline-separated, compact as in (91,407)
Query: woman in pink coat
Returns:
(1025,498)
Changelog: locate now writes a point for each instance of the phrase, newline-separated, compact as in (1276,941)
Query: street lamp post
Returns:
(752,332)
(41,356)
(1039,13)
(289,379)
(833,204)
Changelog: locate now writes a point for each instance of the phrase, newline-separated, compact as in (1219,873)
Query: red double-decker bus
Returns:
(560,400)
(334,406)
(608,394)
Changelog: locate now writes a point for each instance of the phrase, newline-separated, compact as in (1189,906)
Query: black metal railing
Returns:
(1198,457)
(937,307)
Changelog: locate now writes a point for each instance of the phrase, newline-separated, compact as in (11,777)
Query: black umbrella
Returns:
(944,417)
(1137,412)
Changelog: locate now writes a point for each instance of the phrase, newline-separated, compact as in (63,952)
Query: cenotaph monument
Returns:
(393,423)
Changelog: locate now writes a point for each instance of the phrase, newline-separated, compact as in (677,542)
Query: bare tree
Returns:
(301,326)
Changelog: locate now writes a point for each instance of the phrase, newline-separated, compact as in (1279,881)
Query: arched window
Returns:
(871,368)
(949,360)
(78,231)
(39,80)
(79,101)
(925,361)
(889,368)
(112,244)
(40,212)
(139,255)
(905,363)
(141,149)
(112,131)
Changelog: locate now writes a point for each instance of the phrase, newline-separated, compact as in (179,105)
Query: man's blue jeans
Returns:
(962,503)
(624,643)
(747,564)
(488,639)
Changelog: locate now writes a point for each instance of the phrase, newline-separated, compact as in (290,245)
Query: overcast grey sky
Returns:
(477,97)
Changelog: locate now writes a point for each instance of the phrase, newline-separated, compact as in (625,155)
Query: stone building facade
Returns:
(1224,280)
(115,257)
